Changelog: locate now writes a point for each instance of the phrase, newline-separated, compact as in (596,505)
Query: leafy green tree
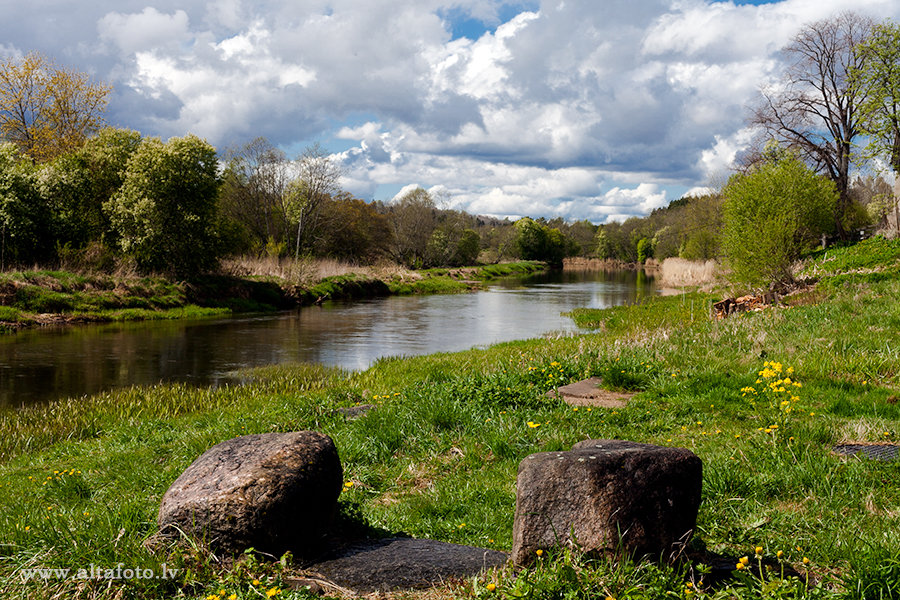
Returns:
(879,76)
(644,250)
(537,241)
(165,210)
(467,248)
(25,234)
(772,214)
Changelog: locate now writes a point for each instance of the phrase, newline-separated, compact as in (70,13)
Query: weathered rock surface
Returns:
(404,563)
(273,492)
(607,495)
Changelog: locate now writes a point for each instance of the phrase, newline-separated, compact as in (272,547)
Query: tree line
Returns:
(76,192)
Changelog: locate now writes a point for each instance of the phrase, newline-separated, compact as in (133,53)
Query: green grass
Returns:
(81,479)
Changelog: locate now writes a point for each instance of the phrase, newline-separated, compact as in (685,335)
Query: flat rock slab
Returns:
(404,563)
(874,451)
(588,393)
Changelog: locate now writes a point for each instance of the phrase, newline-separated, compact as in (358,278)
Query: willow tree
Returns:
(47,110)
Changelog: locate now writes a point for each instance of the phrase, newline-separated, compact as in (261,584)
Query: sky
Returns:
(580,109)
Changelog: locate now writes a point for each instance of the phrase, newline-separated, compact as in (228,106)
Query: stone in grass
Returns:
(607,496)
(589,393)
(274,492)
(403,563)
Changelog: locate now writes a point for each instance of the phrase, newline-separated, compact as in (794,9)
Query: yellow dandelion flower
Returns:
(744,560)
(491,587)
(759,550)
(739,566)
(272,591)
(539,552)
(779,554)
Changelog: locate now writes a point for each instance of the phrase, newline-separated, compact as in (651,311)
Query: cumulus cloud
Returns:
(576,108)
(147,30)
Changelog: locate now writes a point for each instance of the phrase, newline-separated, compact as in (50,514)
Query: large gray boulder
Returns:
(607,496)
(273,492)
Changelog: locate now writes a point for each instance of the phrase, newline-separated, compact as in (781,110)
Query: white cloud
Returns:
(147,30)
(580,108)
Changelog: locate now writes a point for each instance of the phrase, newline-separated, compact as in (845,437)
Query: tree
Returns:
(413,218)
(24,216)
(878,75)
(771,215)
(75,186)
(317,179)
(815,110)
(353,230)
(254,190)
(47,110)
(164,212)
(537,241)
(467,248)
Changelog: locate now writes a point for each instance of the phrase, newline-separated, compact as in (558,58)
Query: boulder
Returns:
(273,492)
(607,496)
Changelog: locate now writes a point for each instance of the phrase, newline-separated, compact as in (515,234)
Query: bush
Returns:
(772,214)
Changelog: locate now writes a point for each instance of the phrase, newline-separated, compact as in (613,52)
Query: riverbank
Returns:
(81,479)
(33,298)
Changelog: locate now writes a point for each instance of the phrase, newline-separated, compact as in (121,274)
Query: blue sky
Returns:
(585,109)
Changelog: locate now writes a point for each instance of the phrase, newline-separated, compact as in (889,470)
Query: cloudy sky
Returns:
(585,109)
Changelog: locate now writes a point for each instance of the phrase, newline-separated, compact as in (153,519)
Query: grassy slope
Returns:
(81,481)
(33,297)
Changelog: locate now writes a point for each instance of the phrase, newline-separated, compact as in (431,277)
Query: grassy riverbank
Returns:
(81,480)
(42,297)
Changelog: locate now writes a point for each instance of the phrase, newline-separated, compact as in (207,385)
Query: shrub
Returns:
(772,214)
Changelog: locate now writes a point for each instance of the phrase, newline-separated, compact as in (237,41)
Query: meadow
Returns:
(762,398)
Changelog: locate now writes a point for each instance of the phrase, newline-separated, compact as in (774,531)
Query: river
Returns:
(39,365)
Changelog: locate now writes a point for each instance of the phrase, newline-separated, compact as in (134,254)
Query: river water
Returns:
(43,364)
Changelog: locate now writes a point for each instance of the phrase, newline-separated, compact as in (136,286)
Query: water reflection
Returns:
(39,365)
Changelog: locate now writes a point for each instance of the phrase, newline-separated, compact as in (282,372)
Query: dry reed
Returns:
(678,272)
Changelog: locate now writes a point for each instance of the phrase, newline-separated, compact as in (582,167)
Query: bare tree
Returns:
(413,219)
(317,180)
(815,109)
(256,179)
